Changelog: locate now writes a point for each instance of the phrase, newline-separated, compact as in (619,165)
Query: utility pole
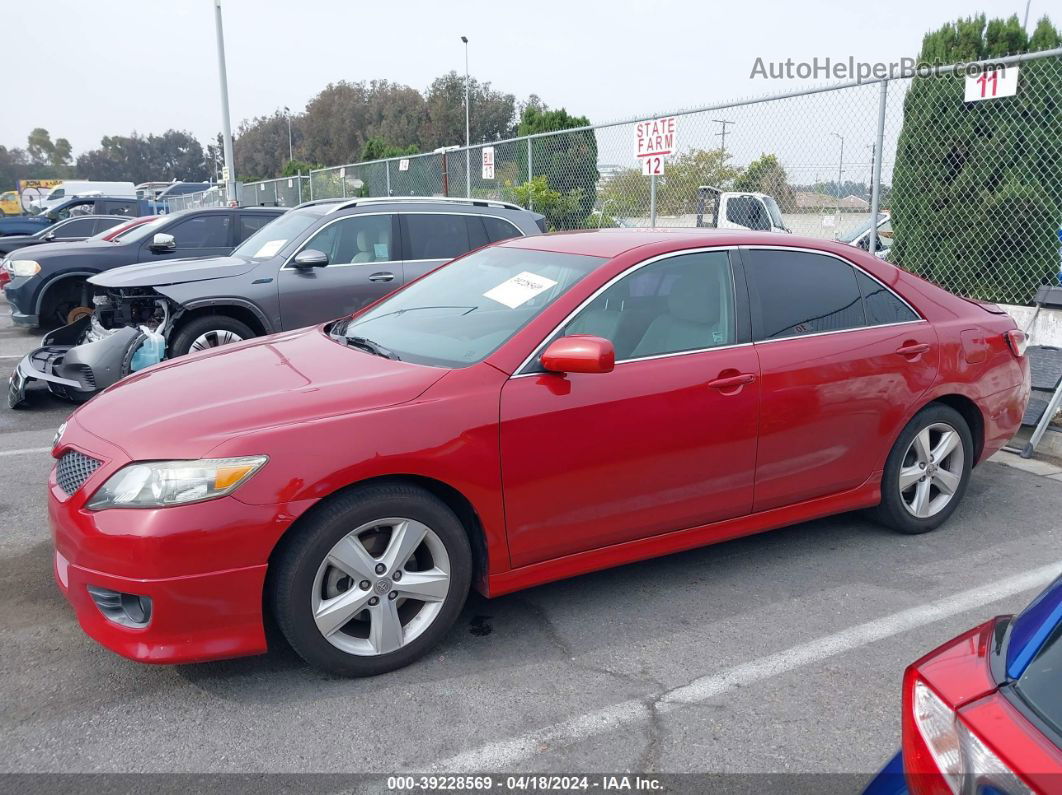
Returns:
(468,141)
(287,114)
(722,137)
(226,126)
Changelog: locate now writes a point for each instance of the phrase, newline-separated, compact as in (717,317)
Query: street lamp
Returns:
(468,137)
(287,114)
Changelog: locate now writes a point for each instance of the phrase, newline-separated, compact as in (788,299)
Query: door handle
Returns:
(913,349)
(732,381)
(382,276)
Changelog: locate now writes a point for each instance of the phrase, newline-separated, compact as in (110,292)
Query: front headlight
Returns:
(24,267)
(158,484)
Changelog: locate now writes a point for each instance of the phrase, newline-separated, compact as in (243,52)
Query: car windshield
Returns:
(1038,632)
(775,211)
(858,231)
(272,237)
(142,231)
(462,312)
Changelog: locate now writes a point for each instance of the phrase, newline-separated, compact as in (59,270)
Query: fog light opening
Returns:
(126,609)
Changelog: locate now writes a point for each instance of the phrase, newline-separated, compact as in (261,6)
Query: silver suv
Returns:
(319,261)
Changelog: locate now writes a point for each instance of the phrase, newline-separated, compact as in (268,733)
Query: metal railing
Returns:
(968,193)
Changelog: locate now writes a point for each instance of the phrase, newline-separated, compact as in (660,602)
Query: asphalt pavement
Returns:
(779,653)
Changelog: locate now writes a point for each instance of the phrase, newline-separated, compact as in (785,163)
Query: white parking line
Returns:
(502,754)
(26,451)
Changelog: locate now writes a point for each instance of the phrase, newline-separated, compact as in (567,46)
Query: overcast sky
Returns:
(89,69)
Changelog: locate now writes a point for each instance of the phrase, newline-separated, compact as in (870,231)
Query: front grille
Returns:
(73,470)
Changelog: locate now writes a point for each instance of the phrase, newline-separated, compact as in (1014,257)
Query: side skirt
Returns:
(864,496)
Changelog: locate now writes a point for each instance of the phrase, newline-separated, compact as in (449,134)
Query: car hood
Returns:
(186,407)
(173,271)
(70,248)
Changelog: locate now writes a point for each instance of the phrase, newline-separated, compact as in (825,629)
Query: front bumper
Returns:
(203,565)
(71,371)
(17,292)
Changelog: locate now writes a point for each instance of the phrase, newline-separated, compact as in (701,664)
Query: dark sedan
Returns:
(69,231)
(47,285)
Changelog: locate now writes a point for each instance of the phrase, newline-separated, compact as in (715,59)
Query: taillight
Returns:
(963,761)
(1016,341)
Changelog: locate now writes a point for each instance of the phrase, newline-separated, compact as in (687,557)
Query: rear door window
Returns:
(203,231)
(796,293)
(499,229)
(115,208)
(438,235)
(882,305)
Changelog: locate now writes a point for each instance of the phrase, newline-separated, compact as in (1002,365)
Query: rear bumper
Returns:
(1003,412)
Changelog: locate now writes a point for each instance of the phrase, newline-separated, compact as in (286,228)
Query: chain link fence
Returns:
(279,192)
(969,191)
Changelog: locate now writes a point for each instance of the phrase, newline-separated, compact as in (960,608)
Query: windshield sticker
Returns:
(270,248)
(519,289)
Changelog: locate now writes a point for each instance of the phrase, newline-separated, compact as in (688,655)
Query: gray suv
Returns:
(319,261)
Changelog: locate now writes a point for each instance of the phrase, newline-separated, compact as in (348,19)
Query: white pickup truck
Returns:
(724,209)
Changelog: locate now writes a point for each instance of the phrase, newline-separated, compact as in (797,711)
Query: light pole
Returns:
(468,141)
(1025,22)
(840,170)
(287,115)
(226,126)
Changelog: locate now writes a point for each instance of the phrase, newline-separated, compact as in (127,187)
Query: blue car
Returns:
(983,713)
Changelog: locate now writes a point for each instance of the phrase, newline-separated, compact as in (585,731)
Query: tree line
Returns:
(345,122)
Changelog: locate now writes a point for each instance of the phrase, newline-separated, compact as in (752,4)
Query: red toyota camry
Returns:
(534,410)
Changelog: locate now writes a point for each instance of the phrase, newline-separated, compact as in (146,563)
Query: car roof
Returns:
(613,242)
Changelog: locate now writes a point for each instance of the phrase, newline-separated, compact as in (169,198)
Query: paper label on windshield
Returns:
(270,248)
(519,289)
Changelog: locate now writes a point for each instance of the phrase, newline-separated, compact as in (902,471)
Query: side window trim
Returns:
(742,328)
(311,233)
(755,306)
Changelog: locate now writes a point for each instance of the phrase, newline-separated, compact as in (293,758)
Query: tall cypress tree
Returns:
(977,186)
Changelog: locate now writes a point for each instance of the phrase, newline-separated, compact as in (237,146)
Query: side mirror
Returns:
(163,242)
(310,258)
(49,236)
(579,354)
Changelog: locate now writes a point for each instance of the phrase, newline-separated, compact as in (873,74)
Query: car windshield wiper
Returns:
(470,309)
(365,344)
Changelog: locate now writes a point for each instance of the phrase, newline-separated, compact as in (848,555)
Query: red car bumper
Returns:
(202,565)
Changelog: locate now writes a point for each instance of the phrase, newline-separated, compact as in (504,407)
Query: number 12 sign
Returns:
(653,141)
(1001,81)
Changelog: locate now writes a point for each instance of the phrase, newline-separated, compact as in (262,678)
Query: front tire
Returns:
(371,581)
(927,471)
(211,331)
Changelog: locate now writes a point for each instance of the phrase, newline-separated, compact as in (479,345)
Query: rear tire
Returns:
(927,471)
(356,596)
(210,331)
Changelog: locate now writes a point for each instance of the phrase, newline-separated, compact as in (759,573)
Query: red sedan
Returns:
(537,409)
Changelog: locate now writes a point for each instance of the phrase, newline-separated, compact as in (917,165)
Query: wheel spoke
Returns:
(424,586)
(946,481)
(920,506)
(405,538)
(332,614)
(949,440)
(385,628)
(909,476)
(353,559)
(920,445)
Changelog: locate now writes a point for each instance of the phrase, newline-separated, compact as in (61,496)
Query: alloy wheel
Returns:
(380,586)
(932,470)
(214,339)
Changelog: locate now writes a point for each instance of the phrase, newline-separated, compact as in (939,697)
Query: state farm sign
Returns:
(655,138)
